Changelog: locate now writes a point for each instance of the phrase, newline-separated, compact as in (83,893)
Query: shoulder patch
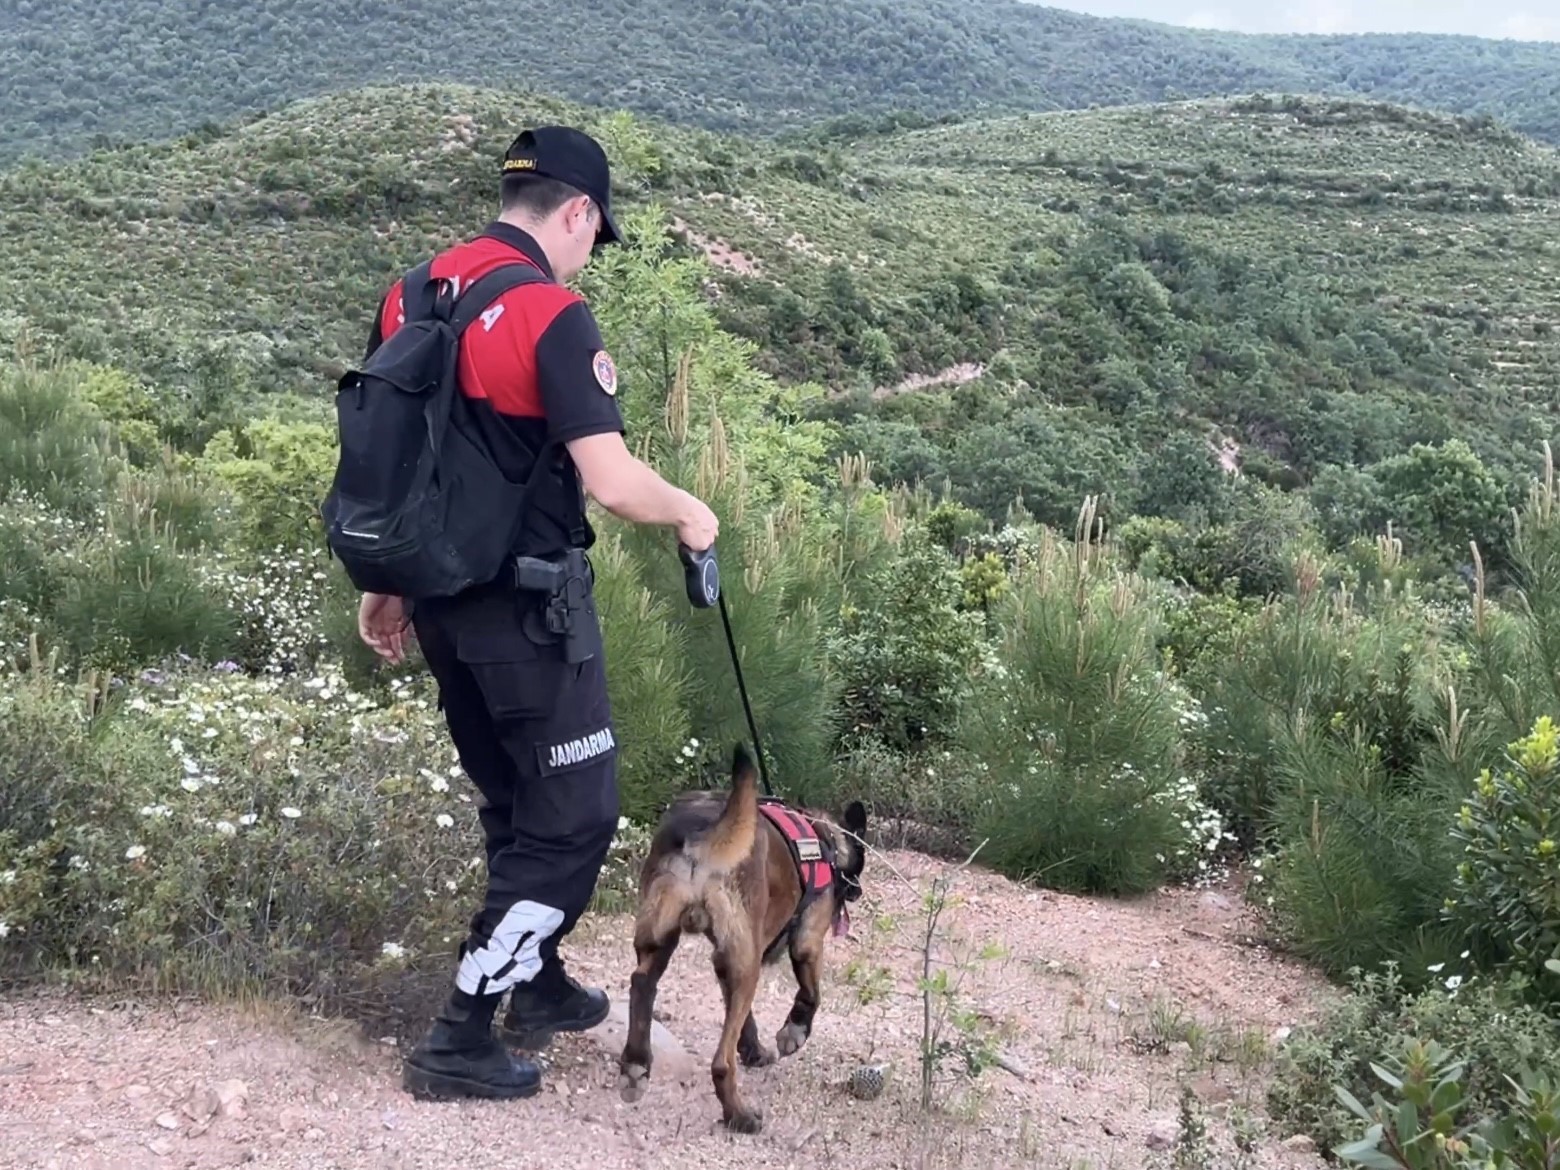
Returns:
(606,373)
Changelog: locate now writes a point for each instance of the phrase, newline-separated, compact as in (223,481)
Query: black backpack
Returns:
(419,507)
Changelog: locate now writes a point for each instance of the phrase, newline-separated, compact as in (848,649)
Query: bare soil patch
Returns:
(1100,1011)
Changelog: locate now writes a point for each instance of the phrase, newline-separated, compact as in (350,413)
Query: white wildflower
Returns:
(291,813)
(444,820)
(134,852)
(226,828)
(392,950)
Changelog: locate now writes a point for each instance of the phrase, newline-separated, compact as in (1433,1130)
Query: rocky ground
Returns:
(1096,1011)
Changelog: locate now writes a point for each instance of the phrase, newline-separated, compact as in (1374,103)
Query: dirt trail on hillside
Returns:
(1103,1008)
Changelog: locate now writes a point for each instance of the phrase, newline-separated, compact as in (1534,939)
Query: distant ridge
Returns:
(73,73)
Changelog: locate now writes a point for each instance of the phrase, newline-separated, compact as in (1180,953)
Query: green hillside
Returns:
(1302,671)
(148,68)
(1076,297)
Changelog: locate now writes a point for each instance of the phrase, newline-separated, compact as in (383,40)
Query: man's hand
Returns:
(699,527)
(382,623)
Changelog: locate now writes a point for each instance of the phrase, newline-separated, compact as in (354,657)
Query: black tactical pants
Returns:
(534,734)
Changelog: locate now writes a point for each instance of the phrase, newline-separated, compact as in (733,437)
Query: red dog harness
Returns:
(815,869)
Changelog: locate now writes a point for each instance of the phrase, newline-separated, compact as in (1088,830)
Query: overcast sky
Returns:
(1530,20)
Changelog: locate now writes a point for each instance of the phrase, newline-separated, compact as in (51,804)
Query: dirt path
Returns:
(1103,1009)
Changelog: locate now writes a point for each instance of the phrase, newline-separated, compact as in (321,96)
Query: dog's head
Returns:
(849,841)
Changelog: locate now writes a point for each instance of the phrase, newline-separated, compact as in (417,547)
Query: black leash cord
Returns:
(747,707)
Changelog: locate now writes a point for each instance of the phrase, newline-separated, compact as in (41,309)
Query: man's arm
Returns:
(625,485)
(578,384)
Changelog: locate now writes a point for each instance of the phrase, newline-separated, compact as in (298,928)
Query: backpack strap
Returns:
(419,295)
(475,299)
(423,297)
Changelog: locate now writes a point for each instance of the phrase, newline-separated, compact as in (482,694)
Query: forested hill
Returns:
(72,72)
(1081,302)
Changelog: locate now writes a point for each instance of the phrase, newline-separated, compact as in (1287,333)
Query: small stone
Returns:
(313,1134)
(136,1092)
(160,1147)
(1163,1133)
(168,1120)
(225,1099)
(85,1137)
(1300,1143)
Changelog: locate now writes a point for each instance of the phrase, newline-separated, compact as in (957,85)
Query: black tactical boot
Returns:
(552,1002)
(460,1057)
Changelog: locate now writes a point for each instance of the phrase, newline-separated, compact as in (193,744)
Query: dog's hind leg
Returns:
(737,968)
(751,1049)
(655,940)
(806,963)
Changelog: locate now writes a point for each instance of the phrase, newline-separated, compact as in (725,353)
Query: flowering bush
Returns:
(278,602)
(1507,889)
(218,826)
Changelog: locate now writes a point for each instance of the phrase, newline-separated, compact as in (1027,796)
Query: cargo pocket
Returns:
(519,679)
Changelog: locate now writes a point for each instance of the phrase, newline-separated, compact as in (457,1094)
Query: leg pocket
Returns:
(519,679)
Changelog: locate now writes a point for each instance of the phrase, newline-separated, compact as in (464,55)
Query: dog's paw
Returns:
(791,1038)
(633,1080)
(758,1056)
(746,1120)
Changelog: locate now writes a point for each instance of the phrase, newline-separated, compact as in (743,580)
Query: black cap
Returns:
(571,156)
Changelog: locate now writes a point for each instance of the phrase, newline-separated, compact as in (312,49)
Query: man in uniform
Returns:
(532,724)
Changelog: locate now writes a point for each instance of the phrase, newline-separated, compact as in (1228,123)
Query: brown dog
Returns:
(754,878)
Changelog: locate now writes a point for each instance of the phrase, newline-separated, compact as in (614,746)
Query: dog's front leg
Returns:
(806,964)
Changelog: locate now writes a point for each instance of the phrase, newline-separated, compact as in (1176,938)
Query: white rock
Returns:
(671,1060)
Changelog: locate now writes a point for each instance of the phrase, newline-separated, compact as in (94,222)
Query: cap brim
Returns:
(608,232)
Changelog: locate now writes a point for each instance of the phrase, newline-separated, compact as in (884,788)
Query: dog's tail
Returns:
(730,839)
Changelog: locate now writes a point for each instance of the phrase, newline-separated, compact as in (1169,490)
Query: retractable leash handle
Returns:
(701,574)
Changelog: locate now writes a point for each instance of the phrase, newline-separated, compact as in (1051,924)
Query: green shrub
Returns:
(1507,889)
(54,446)
(647,678)
(905,646)
(1485,1022)
(1075,733)
(1362,858)
(1417,1127)
(277,472)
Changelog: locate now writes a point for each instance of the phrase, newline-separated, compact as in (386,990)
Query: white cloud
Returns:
(1526,26)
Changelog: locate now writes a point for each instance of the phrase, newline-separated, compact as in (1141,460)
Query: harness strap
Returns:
(806,850)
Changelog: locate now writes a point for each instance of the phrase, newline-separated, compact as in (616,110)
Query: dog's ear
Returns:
(856,818)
